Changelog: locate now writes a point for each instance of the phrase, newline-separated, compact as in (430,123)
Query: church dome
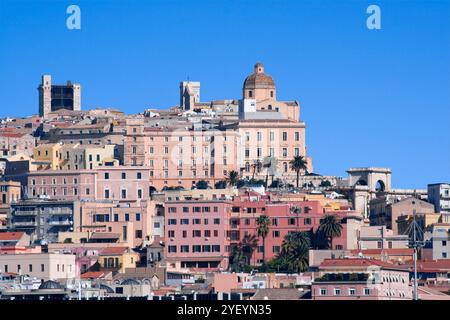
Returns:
(258,79)
(50,285)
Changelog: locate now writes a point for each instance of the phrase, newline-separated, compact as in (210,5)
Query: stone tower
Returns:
(76,97)
(189,94)
(45,95)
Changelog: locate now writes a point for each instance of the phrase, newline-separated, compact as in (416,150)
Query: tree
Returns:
(249,244)
(222,184)
(256,166)
(298,259)
(263,223)
(325,183)
(293,239)
(294,254)
(330,227)
(202,185)
(242,252)
(233,178)
(298,164)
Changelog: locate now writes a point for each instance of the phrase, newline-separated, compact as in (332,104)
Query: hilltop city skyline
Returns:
(370,97)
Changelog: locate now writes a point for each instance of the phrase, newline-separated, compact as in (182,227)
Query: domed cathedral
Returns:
(260,87)
(269,129)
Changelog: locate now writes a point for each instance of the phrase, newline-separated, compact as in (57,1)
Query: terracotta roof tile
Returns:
(10,236)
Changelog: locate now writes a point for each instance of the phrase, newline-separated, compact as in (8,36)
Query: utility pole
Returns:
(417,242)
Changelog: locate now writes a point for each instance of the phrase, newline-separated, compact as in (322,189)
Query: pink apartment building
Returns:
(107,183)
(178,155)
(361,279)
(196,234)
(62,184)
(284,217)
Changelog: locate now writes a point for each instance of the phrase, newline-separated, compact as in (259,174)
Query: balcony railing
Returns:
(25,213)
(25,223)
(60,211)
(60,223)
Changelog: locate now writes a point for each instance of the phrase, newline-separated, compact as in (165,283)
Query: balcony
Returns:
(60,211)
(25,212)
(60,223)
(24,223)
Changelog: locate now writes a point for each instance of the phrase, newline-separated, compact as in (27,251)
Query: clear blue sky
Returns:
(369,98)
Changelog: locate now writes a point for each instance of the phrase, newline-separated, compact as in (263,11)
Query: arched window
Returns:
(271,94)
(380,187)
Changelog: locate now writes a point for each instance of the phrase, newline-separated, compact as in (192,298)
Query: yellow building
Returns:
(46,156)
(118,258)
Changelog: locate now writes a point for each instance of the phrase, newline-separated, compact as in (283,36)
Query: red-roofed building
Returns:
(14,242)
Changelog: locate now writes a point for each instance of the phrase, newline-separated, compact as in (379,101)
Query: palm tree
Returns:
(232,178)
(263,223)
(256,165)
(330,227)
(242,252)
(298,259)
(237,258)
(294,239)
(298,164)
(249,244)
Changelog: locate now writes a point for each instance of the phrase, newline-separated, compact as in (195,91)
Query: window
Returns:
(124,193)
(323,291)
(196,233)
(139,175)
(172,249)
(216,221)
(297,136)
(366,291)
(106,194)
(276,249)
(275,234)
(307,221)
(116,217)
(352,292)
(184,221)
(196,248)
(291,221)
(42,267)
(30,268)
(184,248)
(138,217)
(124,175)
(379,244)
(171,233)
(250,93)
(337,291)
(127,217)
(172,221)
(139,194)
(285,135)
(444,255)
(285,152)
(444,243)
